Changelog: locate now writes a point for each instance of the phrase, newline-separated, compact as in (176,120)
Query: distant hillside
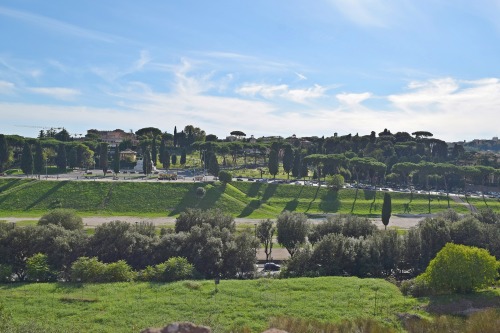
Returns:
(240,199)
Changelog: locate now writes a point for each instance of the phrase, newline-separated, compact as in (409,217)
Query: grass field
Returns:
(130,307)
(28,197)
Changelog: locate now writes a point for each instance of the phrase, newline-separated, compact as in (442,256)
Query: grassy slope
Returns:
(129,307)
(241,199)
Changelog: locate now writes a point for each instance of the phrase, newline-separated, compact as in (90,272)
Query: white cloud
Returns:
(282,91)
(353,99)
(6,87)
(301,76)
(56,92)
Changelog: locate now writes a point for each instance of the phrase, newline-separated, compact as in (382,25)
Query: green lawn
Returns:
(27,197)
(130,307)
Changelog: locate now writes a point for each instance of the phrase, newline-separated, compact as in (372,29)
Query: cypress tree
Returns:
(4,152)
(183,157)
(273,163)
(386,209)
(116,160)
(38,161)
(27,159)
(61,158)
(103,157)
(174,159)
(154,151)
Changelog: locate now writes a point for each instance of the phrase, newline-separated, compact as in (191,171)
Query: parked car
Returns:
(271,266)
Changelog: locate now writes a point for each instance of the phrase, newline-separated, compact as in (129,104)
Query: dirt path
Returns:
(404,222)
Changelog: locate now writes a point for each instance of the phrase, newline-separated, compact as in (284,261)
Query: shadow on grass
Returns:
(250,207)
(254,189)
(191,200)
(269,192)
(47,194)
(10,183)
(330,202)
(458,304)
(315,196)
(291,205)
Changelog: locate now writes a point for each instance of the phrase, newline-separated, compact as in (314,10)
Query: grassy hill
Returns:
(129,307)
(27,197)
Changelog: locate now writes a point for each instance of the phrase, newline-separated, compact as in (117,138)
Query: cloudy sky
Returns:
(277,67)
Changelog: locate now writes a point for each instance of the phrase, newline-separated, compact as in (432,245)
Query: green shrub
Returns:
(65,218)
(200,192)
(225,176)
(177,268)
(118,271)
(5,273)
(415,288)
(86,269)
(37,268)
(460,268)
(335,182)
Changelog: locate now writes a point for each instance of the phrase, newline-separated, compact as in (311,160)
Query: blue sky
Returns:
(264,67)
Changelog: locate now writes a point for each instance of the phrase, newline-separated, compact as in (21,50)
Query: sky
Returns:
(279,67)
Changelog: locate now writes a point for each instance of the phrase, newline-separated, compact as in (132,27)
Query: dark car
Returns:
(271,266)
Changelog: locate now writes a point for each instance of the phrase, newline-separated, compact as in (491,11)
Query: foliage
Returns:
(37,268)
(66,218)
(292,230)
(27,159)
(386,209)
(197,217)
(5,273)
(200,192)
(273,163)
(265,232)
(335,182)
(103,157)
(460,268)
(225,176)
(4,153)
(177,268)
(86,269)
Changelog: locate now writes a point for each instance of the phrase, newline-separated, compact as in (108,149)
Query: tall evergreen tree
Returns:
(147,165)
(273,163)
(213,164)
(162,151)
(116,160)
(166,162)
(4,152)
(296,164)
(183,157)
(72,158)
(103,157)
(154,151)
(288,160)
(61,160)
(386,209)
(27,159)
(38,161)
(174,159)
(175,136)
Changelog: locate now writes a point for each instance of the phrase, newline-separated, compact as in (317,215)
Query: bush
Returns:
(5,273)
(460,268)
(118,271)
(177,268)
(415,288)
(225,176)
(335,182)
(86,269)
(65,218)
(37,268)
(200,192)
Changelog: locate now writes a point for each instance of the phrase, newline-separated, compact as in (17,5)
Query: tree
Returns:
(149,132)
(103,157)
(27,159)
(386,209)
(183,157)
(38,159)
(163,147)
(38,269)
(297,164)
(461,268)
(292,230)
(154,151)
(63,135)
(65,218)
(225,176)
(174,159)
(147,164)
(61,160)
(265,232)
(273,163)
(166,161)
(176,269)
(4,152)
(213,164)
(288,160)
(116,161)
(238,134)
(335,182)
